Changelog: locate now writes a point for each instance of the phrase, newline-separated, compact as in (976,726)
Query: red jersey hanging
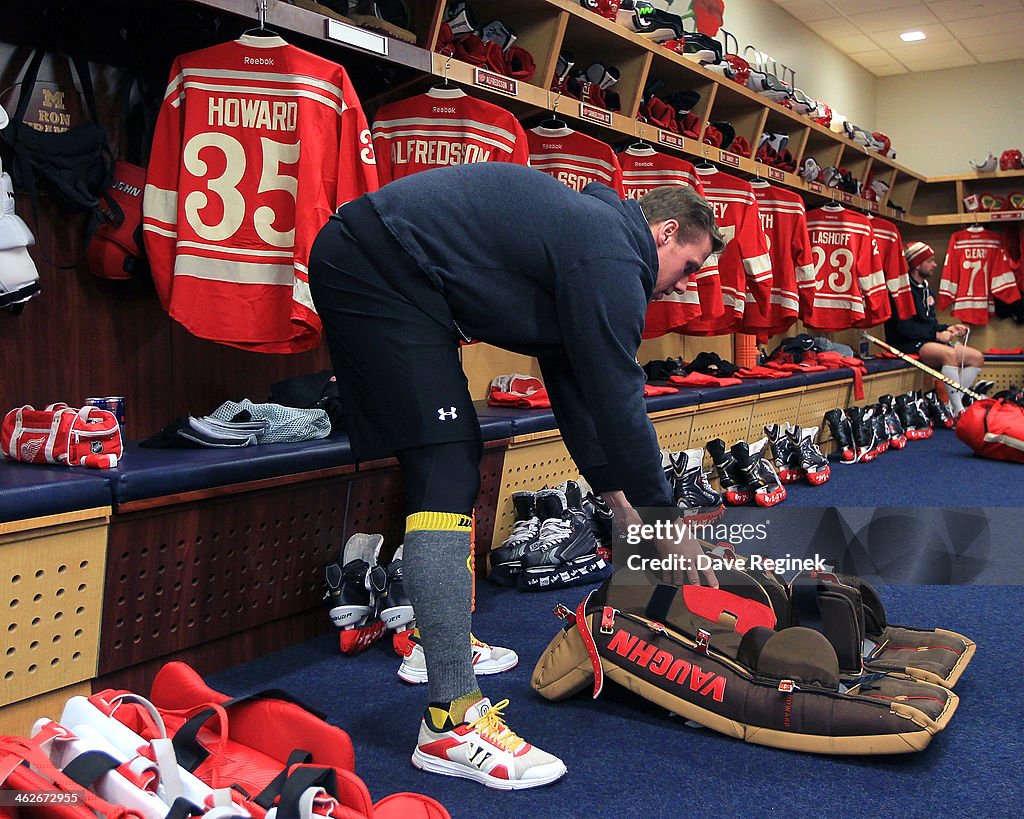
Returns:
(784,220)
(744,266)
(847,271)
(246,131)
(574,158)
(976,270)
(444,126)
(894,266)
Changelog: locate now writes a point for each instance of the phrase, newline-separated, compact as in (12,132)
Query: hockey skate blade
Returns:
(771,498)
(790,475)
(350,616)
(848,456)
(819,477)
(354,640)
(397,617)
(898,443)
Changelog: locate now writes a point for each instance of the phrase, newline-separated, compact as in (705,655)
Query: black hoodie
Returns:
(530,265)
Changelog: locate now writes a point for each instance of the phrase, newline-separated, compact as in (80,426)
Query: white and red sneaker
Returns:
(487,659)
(483,748)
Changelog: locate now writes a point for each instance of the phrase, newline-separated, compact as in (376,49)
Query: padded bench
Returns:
(34,491)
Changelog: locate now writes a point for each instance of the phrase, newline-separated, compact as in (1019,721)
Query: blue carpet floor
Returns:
(627,758)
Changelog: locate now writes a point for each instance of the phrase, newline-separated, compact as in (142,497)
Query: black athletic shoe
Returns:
(732,483)
(506,560)
(842,433)
(813,463)
(565,532)
(893,425)
(787,453)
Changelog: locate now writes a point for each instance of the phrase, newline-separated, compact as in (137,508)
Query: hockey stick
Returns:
(949,382)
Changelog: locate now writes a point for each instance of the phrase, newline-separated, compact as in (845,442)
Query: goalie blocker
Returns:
(811,666)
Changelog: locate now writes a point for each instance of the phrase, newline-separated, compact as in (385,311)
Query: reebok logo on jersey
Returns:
(258,60)
(446,415)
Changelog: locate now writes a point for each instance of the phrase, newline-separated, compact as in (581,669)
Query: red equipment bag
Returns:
(993,428)
(28,770)
(257,743)
(60,434)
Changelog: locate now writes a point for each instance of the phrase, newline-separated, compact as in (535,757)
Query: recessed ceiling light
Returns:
(912,36)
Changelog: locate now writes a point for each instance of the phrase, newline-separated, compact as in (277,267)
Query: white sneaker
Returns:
(487,659)
(484,748)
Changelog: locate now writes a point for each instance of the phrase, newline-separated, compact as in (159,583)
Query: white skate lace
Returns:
(552,531)
(523,531)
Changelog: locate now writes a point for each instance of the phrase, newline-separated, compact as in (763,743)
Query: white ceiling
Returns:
(959,32)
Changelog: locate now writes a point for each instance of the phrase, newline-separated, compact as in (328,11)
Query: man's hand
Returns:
(688,550)
(958,330)
(685,553)
(944,336)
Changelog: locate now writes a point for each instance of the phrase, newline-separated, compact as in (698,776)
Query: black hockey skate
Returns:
(731,482)
(350,594)
(937,411)
(506,560)
(864,434)
(758,475)
(787,453)
(842,432)
(395,606)
(915,424)
(565,533)
(877,417)
(602,520)
(691,489)
(813,463)
(893,425)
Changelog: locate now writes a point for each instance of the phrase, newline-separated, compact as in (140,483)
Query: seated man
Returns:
(936,344)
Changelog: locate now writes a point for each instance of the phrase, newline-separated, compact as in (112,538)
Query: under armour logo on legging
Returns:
(446,415)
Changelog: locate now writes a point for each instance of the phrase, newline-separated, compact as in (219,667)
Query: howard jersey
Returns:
(976,270)
(246,131)
(644,169)
(574,158)
(444,126)
(744,266)
(784,220)
(894,266)
(847,271)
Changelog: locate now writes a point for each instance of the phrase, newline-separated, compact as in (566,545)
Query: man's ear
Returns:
(668,230)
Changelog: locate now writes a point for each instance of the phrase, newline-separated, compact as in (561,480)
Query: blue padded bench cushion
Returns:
(885,365)
(994,357)
(32,491)
(152,473)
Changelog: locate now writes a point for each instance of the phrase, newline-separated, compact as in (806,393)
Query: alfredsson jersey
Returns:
(744,266)
(248,130)
(444,126)
(976,270)
(643,170)
(847,272)
(784,219)
(894,266)
(574,158)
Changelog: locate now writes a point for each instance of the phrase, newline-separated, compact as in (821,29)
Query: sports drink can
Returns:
(115,405)
(865,348)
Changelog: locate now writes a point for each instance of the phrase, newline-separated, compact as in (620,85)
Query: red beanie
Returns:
(918,253)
